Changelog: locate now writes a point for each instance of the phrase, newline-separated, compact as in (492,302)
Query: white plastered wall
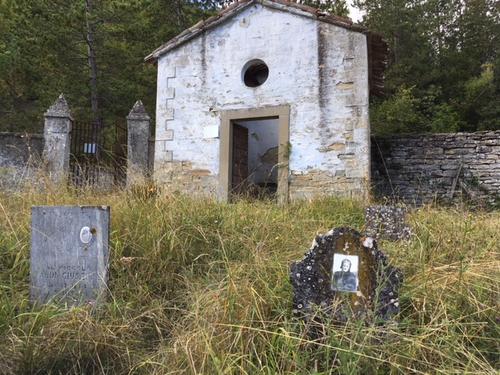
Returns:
(318,69)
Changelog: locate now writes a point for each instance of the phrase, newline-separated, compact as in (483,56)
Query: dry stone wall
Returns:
(443,167)
(20,155)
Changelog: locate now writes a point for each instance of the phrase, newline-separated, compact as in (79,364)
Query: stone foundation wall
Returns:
(443,167)
(20,157)
(318,183)
(182,177)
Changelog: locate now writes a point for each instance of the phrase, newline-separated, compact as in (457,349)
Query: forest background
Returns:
(443,73)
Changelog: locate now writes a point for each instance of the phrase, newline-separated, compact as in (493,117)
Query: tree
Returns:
(444,51)
(437,47)
(336,7)
(90,30)
(92,50)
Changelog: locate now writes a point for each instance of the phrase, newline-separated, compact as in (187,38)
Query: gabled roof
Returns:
(377,47)
(237,7)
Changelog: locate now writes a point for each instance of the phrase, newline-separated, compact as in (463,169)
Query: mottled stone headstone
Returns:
(387,222)
(344,276)
(69,254)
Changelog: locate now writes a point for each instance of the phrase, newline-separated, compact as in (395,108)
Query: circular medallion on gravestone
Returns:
(61,272)
(85,235)
(344,276)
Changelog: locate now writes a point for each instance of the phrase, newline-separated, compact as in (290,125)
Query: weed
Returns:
(200,287)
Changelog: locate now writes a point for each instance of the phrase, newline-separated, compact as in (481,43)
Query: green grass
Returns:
(198,287)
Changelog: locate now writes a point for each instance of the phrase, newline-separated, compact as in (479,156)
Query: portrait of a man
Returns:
(345,275)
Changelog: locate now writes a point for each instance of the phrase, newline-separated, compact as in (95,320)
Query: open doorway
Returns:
(254,152)
(255,157)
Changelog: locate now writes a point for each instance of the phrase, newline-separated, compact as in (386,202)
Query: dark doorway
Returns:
(255,157)
(240,159)
(263,161)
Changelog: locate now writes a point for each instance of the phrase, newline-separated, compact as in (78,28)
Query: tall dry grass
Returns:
(198,287)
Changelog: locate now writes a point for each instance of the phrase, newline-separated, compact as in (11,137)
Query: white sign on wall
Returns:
(211,132)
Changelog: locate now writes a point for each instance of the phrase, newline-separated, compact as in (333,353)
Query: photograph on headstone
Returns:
(345,273)
(69,254)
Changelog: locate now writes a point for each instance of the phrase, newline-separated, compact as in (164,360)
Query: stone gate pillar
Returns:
(57,136)
(139,132)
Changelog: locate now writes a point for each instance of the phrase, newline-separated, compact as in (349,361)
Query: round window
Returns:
(255,73)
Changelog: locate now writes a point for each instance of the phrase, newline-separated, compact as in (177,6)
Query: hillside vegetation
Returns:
(198,287)
(443,71)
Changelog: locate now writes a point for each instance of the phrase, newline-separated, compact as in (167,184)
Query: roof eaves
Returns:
(314,13)
(199,28)
(284,5)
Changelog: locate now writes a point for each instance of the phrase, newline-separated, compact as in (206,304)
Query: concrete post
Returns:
(57,135)
(138,145)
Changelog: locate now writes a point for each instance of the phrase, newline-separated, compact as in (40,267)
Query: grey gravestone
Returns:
(344,276)
(387,222)
(69,254)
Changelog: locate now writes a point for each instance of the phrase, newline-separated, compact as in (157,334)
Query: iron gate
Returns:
(98,157)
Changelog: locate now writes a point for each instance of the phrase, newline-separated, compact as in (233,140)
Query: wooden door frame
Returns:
(282,113)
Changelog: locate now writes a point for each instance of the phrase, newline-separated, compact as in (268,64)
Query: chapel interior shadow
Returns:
(254,164)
